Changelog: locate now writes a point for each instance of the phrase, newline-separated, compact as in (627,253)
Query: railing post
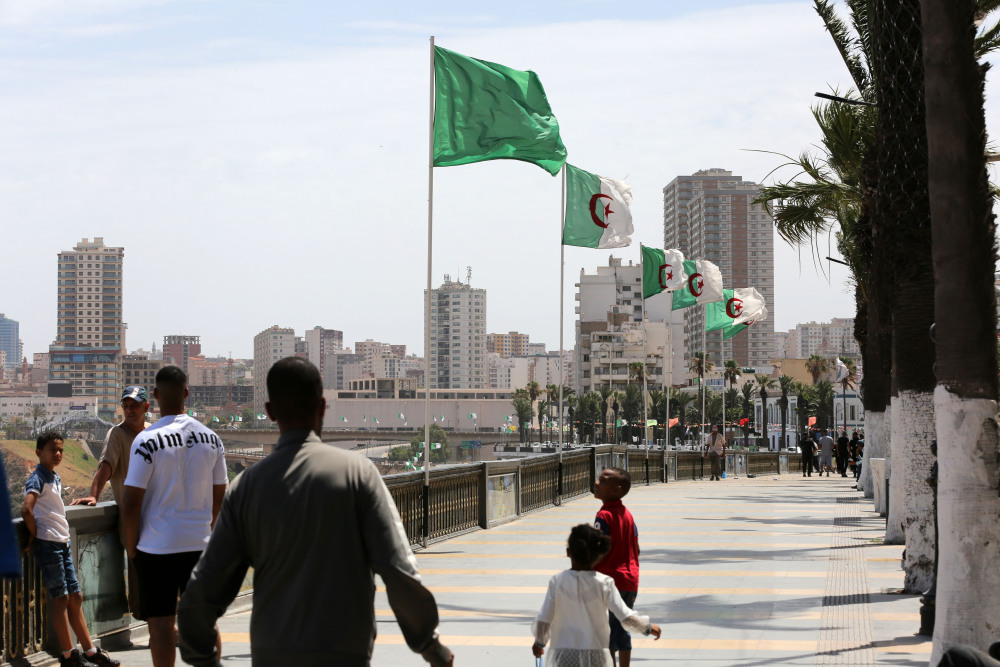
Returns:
(484,496)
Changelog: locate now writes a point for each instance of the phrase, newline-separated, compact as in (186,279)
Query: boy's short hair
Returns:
(172,376)
(294,388)
(47,437)
(625,477)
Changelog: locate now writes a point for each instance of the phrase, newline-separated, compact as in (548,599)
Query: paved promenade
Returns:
(768,571)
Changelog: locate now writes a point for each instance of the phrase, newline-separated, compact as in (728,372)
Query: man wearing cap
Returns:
(114,467)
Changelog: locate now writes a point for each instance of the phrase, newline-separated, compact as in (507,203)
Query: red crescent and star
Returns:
(669,274)
(593,210)
(734,307)
(696,283)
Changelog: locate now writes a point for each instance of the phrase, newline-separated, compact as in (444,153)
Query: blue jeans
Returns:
(621,640)
(55,560)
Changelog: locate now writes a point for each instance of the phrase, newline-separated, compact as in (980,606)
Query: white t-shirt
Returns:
(177,461)
(50,512)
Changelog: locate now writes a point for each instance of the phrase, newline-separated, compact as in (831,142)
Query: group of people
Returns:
(821,453)
(191,536)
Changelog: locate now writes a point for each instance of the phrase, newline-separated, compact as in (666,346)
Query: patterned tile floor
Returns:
(766,571)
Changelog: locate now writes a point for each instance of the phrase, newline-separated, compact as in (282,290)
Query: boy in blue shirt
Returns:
(48,537)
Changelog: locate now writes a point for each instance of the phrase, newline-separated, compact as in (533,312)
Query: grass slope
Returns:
(77,467)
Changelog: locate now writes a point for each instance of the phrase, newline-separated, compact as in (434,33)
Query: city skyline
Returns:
(231,134)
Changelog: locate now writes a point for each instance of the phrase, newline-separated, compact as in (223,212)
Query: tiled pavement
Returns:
(767,571)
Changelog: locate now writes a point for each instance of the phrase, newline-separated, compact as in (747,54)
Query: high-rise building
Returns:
(178,349)
(140,370)
(269,346)
(458,336)
(319,342)
(10,341)
(507,345)
(90,332)
(610,333)
(827,339)
(711,215)
(341,367)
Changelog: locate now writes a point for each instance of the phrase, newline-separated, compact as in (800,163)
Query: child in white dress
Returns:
(574,615)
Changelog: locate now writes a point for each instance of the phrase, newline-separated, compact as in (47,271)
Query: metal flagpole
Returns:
(704,369)
(668,343)
(645,405)
(562,361)
(427,311)
(722,355)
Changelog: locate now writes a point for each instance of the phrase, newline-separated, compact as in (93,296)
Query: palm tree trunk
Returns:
(904,213)
(965,312)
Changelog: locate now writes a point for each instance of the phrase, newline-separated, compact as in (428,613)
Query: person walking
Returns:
(316,523)
(114,468)
(576,604)
(843,453)
(715,449)
(825,453)
(807,446)
(173,492)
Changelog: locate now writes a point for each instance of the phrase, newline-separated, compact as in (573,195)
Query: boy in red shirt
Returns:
(622,562)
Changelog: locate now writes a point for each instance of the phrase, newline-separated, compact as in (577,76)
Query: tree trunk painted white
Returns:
(896,430)
(968,606)
(874,422)
(913,424)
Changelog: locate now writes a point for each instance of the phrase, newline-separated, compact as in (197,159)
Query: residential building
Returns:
(341,367)
(10,342)
(178,349)
(607,301)
(382,360)
(90,332)
(512,344)
(139,369)
(507,372)
(14,405)
(204,372)
(827,339)
(319,342)
(218,395)
(269,346)
(458,336)
(40,369)
(711,215)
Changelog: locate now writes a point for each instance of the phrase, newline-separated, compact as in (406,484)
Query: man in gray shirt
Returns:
(316,523)
(825,454)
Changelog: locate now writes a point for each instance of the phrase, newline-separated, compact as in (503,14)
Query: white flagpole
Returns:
(645,394)
(704,369)
(722,356)
(669,343)
(427,308)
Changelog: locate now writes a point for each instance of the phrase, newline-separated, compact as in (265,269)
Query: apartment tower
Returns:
(458,336)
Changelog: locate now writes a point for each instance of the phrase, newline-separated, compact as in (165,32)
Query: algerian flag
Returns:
(651,422)
(597,210)
(261,417)
(149,415)
(662,270)
(737,306)
(401,416)
(215,419)
(374,420)
(842,371)
(442,417)
(485,111)
(435,445)
(473,415)
(731,331)
(343,419)
(364,418)
(434,418)
(704,284)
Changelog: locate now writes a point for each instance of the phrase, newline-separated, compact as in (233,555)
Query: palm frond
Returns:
(845,43)
(987,41)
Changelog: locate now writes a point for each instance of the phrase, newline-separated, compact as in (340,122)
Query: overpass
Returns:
(250,438)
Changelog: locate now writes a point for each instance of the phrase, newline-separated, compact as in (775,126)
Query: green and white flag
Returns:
(215,420)
(703,284)
(662,270)
(435,445)
(473,415)
(597,211)
(343,419)
(374,420)
(261,417)
(731,331)
(737,306)
(485,111)
(401,416)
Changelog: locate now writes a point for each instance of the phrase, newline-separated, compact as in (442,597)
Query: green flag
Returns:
(703,284)
(597,210)
(732,330)
(662,270)
(484,111)
(716,315)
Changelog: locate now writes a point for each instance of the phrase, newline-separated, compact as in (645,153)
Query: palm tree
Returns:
(605,393)
(816,366)
(657,407)
(552,394)
(682,400)
(636,371)
(701,363)
(805,395)
(965,315)
(731,372)
(734,410)
(786,384)
(631,408)
(764,382)
(849,380)
(590,409)
(543,415)
(747,391)
(824,403)
(524,411)
(571,408)
(616,397)
(37,412)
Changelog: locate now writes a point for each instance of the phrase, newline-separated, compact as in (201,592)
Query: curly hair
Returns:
(587,545)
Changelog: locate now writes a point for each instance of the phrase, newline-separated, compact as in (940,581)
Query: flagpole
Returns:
(704,367)
(427,307)
(562,279)
(645,390)
(722,356)
(668,343)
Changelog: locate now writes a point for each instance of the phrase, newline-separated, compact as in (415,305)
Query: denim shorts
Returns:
(55,560)
(621,640)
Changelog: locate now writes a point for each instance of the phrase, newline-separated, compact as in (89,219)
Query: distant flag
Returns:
(442,417)
(704,284)
(473,415)
(812,421)
(731,331)
(364,418)
(662,270)
(674,421)
(435,445)
(434,418)
(737,307)
(597,211)
(149,415)
(343,419)
(485,111)
(842,371)
(401,416)
(215,420)
(374,420)
(651,422)
(261,417)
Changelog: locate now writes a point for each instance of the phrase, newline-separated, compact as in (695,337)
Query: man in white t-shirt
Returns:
(173,491)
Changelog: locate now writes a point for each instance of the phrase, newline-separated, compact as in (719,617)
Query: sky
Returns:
(265,162)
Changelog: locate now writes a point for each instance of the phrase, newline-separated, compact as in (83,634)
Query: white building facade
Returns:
(458,336)
(269,346)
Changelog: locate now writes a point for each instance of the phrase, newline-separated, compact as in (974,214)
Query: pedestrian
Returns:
(622,562)
(48,538)
(859,458)
(715,448)
(114,468)
(843,453)
(173,492)
(825,453)
(576,603)
(316,523)
(807,447)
